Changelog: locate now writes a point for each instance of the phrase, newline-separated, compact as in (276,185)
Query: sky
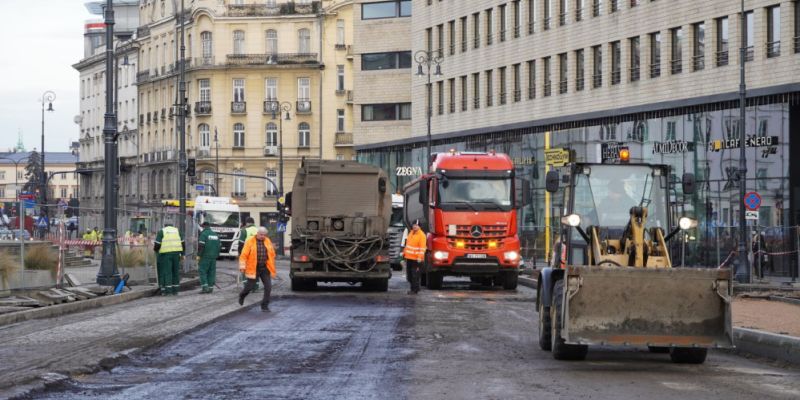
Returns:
(42,39)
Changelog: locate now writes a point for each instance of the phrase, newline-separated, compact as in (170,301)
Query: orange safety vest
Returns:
(415,246)
(248,258)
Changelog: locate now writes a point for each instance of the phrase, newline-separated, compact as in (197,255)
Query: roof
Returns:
(472,161)
(56,157)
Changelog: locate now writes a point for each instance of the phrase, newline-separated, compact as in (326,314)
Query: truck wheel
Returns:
(545,335)
(382,285)
(560,349)
(510,280)
(298,285)
(688,355)
(435,280)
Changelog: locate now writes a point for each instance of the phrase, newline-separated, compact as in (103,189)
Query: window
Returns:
(340,78)
(463,34)
(579,5)
(381,61)
(502,72)
(517,83)
(205,136)
(238,90)
(547,75)
(271,138)
(531,79)
(579,70)
(386,9)
(699,46)
(429,39)
(304,135)
(451,31)
(303,89)
(440,97)
(304,41)
(635,58)
(272,41)
(517,17)
(271,182)
(749,26)
(440,39)
(476,30)
(677,50)
(386,112)
(614,5)
(339,120)
(271,89)
(722,41)
(773,31)
(616,63)
(503,22)
(797,26)
(597,8)
(340,32)
(238,135)
(547,14)
(531,16)
(464,93)
(63,192)
(238,183)
(238,42)
(204,86)
(452,98)
(655,55)
(476,91)
(563,10)
(597,67)
(206,45)
(489,27)
(489,88)
(562,73)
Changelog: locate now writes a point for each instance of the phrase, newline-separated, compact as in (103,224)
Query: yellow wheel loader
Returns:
(612,282)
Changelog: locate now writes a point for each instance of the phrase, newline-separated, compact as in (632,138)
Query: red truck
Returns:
(467,206)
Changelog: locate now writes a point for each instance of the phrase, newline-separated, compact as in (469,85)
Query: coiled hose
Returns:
(346,254)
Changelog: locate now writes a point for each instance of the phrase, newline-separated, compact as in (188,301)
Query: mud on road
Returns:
(459,343)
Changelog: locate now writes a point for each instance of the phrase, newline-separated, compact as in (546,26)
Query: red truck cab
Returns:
(467,206)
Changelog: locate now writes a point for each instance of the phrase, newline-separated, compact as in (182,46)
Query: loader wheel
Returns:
(560,349)
(658,349)
(688,355)
(510,280)
(435,280)
(545,335)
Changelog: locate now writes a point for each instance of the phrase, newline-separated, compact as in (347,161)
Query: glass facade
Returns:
(701,140)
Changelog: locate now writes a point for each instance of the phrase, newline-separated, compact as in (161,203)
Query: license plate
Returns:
(476,255)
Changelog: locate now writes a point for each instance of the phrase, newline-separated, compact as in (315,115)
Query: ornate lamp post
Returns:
(280,110)
(47,97)
(428,59)
(743,274)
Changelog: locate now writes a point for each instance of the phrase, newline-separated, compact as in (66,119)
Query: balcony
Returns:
(148,117)
(698,63)
(562,19)
(516,31)
(343,139)
(340,46)
(440,109)
(531,92)
(238,107)
(489,39)
(546,23)
(263,10)
(349,97)
(163,113)
(773,49)
(239,195)
(597,80)
(476,42)
(270,194)
(464,104)
(271,107)
(579,84)
(142,31)
(749,53)
(655,70)
(271,59)
(797,44)
(142,76)
(517,95)
(202,108)
(489,100)
(452,108)
(203,62)
(463,46)
(270,151)
(722,58)
(562,87)
(579,14)
(635,74)
(303,106)
(616,77)
(503,98)
(476,103)
(203,152)
(676,66)
(349,53)
(502,35)
(548,88)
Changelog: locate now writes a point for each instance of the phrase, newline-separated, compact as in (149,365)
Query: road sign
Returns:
(752,201)
(27,196)
(281,227)
(557,157)
(200,188)
(282,200)
(751,215)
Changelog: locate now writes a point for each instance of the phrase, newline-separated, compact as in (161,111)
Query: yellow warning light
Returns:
(492,244)
(624,154)
(460,244)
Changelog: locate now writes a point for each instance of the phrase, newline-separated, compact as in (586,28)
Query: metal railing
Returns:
(531,92)
(476,103)
(238,107)
(676,66)
(546,23)
(655,70)
(562,87)
(203,62)
(517,95)
(489,100)
(440,109)
(616,77)
(773,49)
(797,44)
(578,14)
(698,63)
(143,76)
(502,35)
(464,104)
(271,59)
(749,53)
(343,139)
(635,73)
(503,98)
(202,107)
(270,106)
(452,107)
(264,10)
(722,58)
(562,19)
(579,85)
(597,80)
(303,106)
(548,88)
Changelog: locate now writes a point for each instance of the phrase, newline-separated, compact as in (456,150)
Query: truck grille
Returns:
(489,233)
(474,244)
(225,235)
(395,237)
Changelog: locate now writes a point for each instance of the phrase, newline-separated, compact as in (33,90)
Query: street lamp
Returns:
(428,59)
(47,97)
(743,275)
(279,109)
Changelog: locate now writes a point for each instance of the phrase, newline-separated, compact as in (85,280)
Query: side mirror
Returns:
(523,192)
(423,192)
(688,183)
(552,181)
(287,205)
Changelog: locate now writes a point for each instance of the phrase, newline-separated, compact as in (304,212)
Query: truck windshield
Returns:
(475,194)
(605,194)
(225,219)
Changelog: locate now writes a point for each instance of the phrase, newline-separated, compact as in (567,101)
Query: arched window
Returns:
(238,134)
(304,41)
(272,41)
(271,182)
(238,183)
(153,188)
(206,44)
(304,135)
(238,42)
(205,136)
(272,135)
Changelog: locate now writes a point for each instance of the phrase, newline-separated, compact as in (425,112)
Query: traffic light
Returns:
(190,167)
(279,207)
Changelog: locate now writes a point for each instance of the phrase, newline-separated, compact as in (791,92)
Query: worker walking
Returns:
(169,245)
(257,261)
(208,246)
(414,254)
(248,230)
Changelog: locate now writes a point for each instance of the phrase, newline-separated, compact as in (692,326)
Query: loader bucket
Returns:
(673,307)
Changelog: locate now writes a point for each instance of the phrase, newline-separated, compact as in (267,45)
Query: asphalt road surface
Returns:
(464,342)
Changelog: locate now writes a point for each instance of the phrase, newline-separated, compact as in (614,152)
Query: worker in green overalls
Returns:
(208,246)
(247,231)
(169,245)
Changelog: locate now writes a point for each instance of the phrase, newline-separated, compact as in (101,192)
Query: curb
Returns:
(83,305)
(769,345)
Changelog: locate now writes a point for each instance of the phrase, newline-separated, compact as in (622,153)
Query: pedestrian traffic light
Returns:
(190,167)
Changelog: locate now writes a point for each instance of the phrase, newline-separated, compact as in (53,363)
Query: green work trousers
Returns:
(208,272)
(169,268)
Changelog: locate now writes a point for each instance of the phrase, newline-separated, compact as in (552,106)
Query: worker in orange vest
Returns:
(257,261)
(414,253)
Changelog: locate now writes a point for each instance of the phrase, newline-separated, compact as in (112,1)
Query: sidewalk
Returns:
(103,336)
(767,326)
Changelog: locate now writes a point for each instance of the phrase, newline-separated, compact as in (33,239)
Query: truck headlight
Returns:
(511,255)
(440,255)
